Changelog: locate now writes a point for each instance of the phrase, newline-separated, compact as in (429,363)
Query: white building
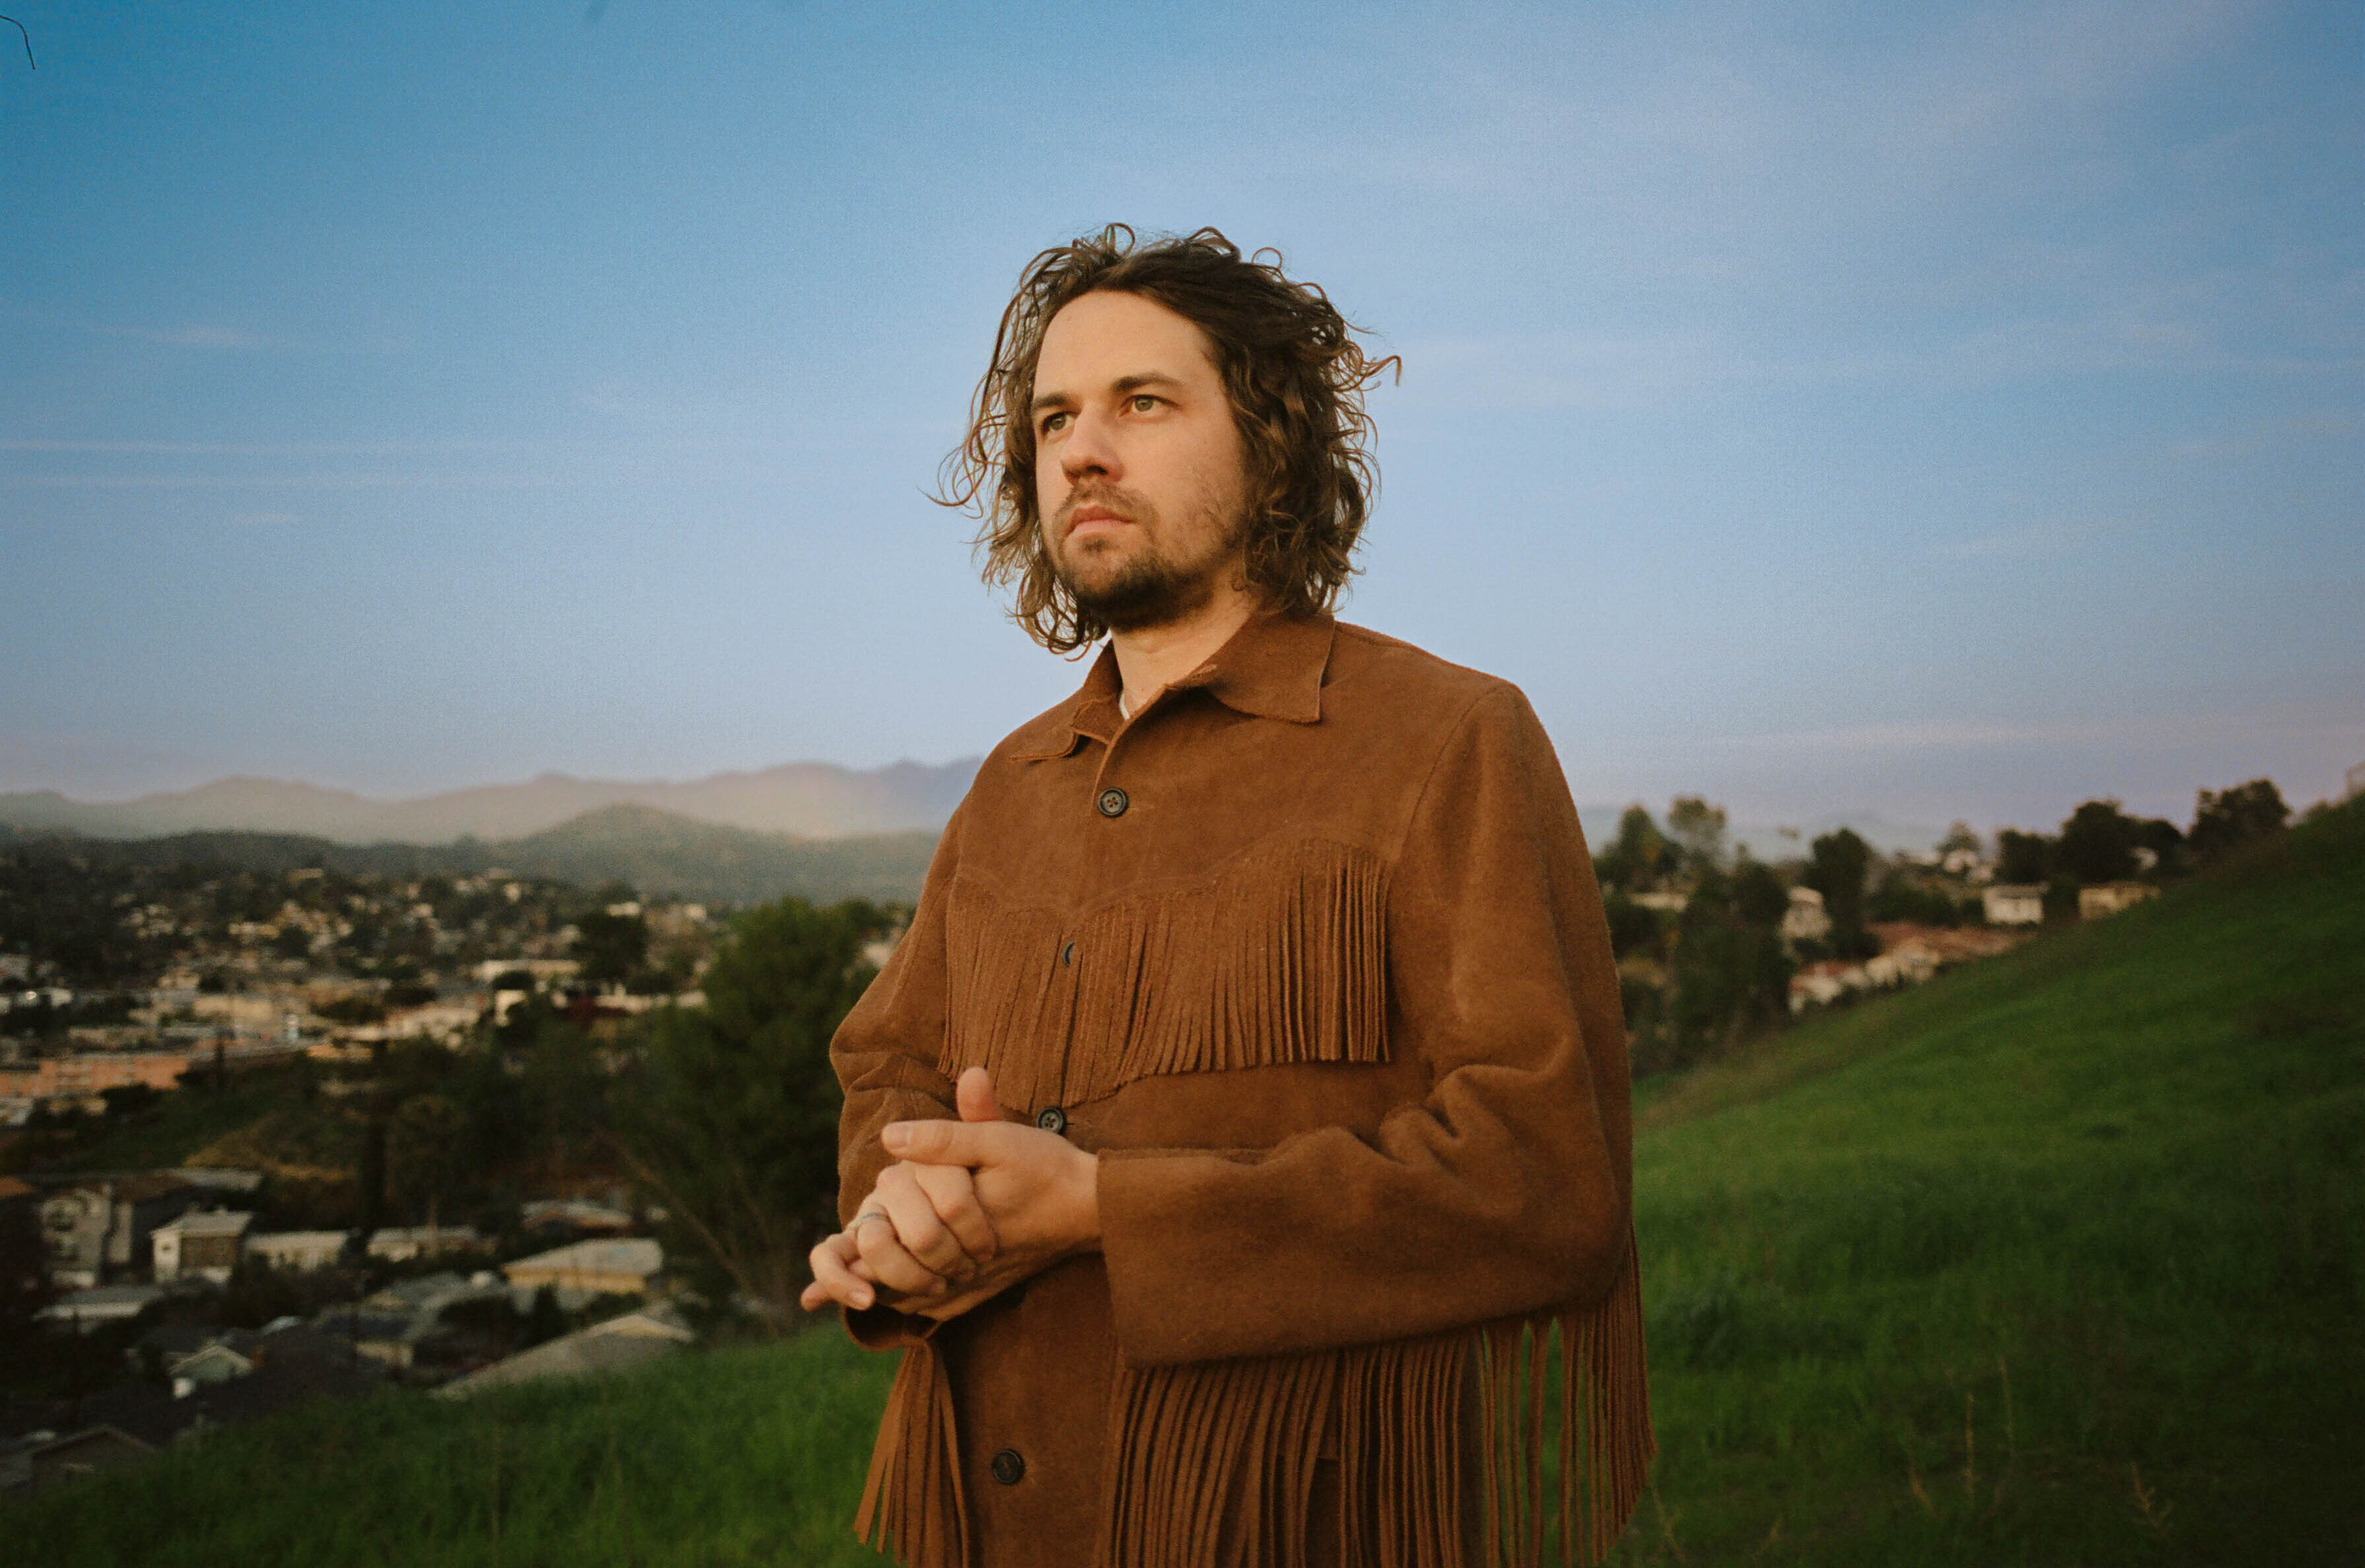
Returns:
(397,1244)
(297,1250)
(2109,898)
(619,1343)
(201,1243)
(2013,903)
(590,1269)
(1806,920)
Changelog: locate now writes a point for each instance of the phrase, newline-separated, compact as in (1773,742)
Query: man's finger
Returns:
(917,1228)
(832,1280)
(893,1263)
(948,1143)
(974,1096)
(952,1189)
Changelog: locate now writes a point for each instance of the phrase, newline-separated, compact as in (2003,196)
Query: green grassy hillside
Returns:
(2058,1261)
(731,1457)
(2061,1260)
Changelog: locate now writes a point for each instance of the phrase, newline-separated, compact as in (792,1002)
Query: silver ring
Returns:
(856,1223)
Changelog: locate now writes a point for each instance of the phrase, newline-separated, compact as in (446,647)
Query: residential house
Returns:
(101,1225)
(2013,903)
(1819,985)
(388,1326)
(87,1309)
(202,1243)
(85,1074)
(299,1252)
(574,1215)
(492,970)
(290,1363)
(590,1269)
(215,1363)
(397,1244)
(620,1342)
(52,1458)
(217,1178)
(1806,920)
(2109,898)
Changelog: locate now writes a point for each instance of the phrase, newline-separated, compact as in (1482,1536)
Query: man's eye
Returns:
(1143,402)
(1052,422)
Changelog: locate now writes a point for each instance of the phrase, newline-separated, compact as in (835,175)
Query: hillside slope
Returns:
(2059,1261)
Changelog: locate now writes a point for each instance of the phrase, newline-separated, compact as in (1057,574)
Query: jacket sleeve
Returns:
(1505,1190)
(886,1054)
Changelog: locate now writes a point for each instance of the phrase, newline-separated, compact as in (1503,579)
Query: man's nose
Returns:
(1088,448)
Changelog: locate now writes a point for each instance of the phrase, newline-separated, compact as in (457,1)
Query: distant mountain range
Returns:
(654,851)
(809,828)
(809,800)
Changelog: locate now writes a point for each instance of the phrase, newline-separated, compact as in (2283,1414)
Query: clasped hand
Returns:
(972,1209)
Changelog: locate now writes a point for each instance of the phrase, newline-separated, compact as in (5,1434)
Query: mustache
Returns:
(1111,497)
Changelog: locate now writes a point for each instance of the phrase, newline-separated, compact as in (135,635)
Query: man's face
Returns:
(1140,477)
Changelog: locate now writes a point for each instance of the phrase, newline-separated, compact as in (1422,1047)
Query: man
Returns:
(1249,1097)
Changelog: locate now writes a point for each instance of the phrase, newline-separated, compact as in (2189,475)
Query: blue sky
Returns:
(1936,411)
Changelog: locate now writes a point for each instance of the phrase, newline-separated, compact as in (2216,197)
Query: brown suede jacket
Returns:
(1310,954)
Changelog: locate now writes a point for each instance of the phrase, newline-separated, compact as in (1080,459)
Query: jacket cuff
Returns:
(884,1328)
(1157,1231)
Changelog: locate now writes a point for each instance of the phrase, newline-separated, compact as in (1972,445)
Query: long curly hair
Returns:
(1293,373)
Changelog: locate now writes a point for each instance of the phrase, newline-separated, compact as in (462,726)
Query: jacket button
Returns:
(1113,802)
(1051,1119)
(1068,953)
(1008,1467)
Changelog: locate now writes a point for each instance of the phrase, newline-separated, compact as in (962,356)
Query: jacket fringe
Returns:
(1280,957)
(913,1507)
(1212,1465)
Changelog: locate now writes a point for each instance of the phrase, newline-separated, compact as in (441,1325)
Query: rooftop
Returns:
(634,1255)
(210,1222)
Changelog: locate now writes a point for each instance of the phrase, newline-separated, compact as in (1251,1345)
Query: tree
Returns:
(1633,929)
(2098,844)
(2166,842)
(2226,819)
(24,1287)
(732,1118)
(1729,978)
(610,946)
(1699,828)
(1638,857)
(2024,858)
(426,1149)
(564,1092)
(1759,899)
(1836,866)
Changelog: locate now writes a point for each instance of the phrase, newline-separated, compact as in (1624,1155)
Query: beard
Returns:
(1147,587)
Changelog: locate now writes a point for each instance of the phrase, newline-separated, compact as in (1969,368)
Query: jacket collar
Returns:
(1272,668)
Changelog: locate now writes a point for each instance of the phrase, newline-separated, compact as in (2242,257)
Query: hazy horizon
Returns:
(1948,412)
